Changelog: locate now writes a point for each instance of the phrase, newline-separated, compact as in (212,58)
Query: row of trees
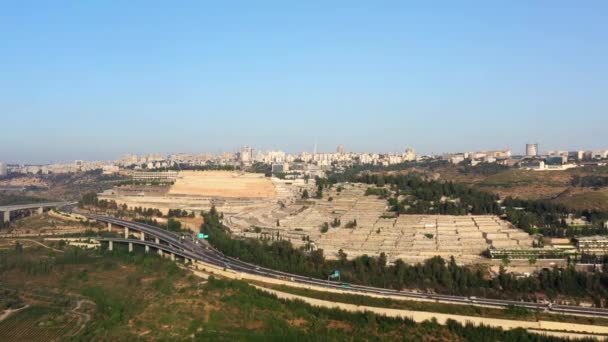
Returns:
(147,212)
(549,218)
(484,169)
(91,199)
(179,213)
(380,192)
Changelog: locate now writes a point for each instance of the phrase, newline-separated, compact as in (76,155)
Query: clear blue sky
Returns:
(95,79)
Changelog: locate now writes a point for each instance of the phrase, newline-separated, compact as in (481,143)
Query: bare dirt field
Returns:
(226,184)
(24,181)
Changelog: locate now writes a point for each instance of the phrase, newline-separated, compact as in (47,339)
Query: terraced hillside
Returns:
(358,224)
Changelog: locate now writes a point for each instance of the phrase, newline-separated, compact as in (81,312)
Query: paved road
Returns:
(206,253)
(33,206)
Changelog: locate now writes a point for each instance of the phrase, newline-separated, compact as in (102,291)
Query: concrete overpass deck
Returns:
(158,246)
(7,209)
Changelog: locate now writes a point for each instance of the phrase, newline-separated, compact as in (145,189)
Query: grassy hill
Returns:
(584,199)
(551,185)
(137,297)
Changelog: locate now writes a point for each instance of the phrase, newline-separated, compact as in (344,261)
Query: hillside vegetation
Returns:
(144,298)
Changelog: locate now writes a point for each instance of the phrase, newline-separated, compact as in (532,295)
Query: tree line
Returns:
(91,199)
(485,169)
(549,219)
(590,181)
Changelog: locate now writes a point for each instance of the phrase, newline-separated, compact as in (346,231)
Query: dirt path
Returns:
(41,244)
(83,317)
(8,312)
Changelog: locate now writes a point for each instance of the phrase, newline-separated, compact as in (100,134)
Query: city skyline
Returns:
(518,150)
(338,149)
(90,81)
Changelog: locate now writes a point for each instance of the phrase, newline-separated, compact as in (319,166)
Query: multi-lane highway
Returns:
(202,251)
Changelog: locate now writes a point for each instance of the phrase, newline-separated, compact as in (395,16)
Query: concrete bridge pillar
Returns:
(147,249)
(40,210)
(142,236)
(111,245)
(160,252)
(126,232)
(130,247)
(109,226)
(7,216)
(172,257)
(157,241)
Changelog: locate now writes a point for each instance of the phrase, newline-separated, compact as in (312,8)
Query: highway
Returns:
(7,209)
(204,252)
(14,207)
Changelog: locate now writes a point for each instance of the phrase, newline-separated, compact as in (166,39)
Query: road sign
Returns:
(336,274)
(203,236)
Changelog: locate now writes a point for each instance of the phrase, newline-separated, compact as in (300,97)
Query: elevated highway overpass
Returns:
(38,207)
(159,247)
(183,247)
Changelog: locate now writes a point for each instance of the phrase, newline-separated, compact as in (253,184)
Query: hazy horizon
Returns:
(94,81)
(332,149)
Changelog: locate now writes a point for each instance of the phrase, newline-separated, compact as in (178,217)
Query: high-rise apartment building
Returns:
(531,150)
(246,155)
(340,149)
